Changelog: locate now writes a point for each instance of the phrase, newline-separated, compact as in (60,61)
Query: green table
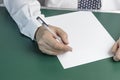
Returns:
(20,58)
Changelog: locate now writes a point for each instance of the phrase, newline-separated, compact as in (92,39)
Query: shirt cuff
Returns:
(31,27)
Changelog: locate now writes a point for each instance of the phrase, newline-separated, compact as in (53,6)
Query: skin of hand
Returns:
(47,42)
(116,50)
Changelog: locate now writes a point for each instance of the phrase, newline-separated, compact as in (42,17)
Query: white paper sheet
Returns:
(88,38)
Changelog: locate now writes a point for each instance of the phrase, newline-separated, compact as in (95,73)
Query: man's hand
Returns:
(47,42)
(116,50)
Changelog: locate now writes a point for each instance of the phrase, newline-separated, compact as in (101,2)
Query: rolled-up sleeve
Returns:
(24,13)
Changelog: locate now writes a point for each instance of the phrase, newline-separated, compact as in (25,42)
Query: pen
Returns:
(47,27)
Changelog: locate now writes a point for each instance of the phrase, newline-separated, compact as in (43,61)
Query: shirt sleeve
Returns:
(24,13)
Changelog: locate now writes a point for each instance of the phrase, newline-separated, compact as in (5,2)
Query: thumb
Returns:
(117,55)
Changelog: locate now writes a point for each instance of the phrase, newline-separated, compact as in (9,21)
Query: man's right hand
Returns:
(47,42)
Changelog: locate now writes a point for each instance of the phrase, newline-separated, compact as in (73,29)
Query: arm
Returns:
(24,12)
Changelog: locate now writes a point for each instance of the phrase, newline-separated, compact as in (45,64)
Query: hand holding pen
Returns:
(51,40)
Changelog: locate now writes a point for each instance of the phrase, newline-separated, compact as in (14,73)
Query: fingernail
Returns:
(115,58)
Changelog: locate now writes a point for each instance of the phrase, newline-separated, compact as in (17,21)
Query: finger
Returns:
(48,50)
(115,47)
(63,35)
(117,55)
(56,45)
(56,51)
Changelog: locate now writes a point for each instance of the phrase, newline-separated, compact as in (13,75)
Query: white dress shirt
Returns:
(25,12)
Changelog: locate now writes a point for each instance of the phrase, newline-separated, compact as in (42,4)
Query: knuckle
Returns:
(62,32)
(59,29)
(59,47)
(41,50)
(40,43)
(56,46)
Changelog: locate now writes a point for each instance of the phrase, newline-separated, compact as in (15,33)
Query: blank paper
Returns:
(88,38)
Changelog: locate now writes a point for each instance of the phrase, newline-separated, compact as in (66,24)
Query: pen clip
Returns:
(41,20)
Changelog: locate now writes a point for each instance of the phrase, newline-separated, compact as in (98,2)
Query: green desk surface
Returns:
(21,60)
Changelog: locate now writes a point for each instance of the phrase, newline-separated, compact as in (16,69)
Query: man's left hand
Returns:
(116,50)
